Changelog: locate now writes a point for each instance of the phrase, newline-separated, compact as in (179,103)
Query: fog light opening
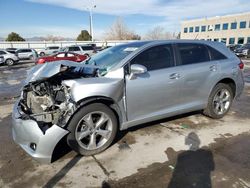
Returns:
(33,146)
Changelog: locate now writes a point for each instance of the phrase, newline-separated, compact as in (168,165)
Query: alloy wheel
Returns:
(93,130)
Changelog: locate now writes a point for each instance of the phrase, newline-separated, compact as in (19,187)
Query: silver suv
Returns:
(88,50)
(27,54)
(49,50)
(121,87)
(8,58)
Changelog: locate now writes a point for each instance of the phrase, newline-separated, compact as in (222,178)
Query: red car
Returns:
(62,56)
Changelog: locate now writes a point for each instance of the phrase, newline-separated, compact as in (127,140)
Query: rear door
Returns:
(155,92)
(196,72)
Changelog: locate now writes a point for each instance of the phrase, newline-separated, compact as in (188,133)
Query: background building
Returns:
(229,29)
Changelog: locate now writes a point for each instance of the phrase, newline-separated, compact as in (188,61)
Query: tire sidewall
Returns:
(9,60)
(216,89)
(71,140)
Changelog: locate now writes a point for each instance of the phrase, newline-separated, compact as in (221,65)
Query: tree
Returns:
(14,37)
(158,33)
(120,31)
(84,36)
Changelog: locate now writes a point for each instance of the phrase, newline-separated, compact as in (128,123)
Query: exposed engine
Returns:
(48,101)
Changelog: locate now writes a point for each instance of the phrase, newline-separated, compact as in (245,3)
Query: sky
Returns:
(67,18)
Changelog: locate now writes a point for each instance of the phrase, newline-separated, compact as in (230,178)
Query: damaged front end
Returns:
(45,106)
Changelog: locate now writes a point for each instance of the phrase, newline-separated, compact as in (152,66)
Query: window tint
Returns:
(154,58)
(217,27)
(241,40)
(193,53)
(185,30)
(24,51)
(87,47)
(215,55)
(231,40)
(197,29)
(203,28)
(248,39)
(225,26)
(2,52)
(191,29)
(243,25)
(234,25)
(74,48)
(54,48)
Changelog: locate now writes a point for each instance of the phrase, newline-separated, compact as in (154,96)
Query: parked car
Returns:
(49,50)
(27,54)
(88,50)
(62,56)
(11,50)
(1,60)
(8,58)
(233,47)
(120,87)
(243,51)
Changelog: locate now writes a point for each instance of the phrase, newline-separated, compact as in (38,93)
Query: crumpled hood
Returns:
(47,70)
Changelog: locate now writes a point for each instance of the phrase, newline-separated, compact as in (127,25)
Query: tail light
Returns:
(241,65)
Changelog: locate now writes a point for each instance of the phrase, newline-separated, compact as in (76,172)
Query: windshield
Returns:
(108,58)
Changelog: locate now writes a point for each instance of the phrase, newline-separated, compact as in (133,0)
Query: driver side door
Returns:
(153,94)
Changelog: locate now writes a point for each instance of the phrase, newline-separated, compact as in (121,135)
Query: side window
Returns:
(193,53)
(215,55)
(60,55)
(87,48)
(2,52)
(74,48)
(54,48)
(154,58)
(70,55)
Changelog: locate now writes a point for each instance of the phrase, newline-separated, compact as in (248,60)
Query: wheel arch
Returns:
(230,82)
(100,99)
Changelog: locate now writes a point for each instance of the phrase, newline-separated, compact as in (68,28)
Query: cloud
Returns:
(172,11)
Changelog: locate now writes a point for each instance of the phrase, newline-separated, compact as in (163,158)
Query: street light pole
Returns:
(91,29)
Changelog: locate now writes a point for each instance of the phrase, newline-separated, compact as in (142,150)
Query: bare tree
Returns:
(120,31)
(158,33)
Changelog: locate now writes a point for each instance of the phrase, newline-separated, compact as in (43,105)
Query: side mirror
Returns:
(137,69)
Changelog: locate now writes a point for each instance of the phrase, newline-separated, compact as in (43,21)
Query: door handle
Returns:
(174,76)
(213,68)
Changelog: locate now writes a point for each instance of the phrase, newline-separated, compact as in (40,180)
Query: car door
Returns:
(155,92)
(196,72)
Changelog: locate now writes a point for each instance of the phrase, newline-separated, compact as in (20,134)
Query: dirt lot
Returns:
(185,151)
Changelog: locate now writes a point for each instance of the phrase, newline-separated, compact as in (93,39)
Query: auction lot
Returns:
(150,155)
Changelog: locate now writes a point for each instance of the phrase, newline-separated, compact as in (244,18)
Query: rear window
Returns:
(74,48)
(87,48)
(54,48)
(193,53)
(2,52)
(215,54)
(24,51)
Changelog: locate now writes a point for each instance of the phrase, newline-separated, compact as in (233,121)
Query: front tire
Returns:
(92,129)
(9,62)
(219,101)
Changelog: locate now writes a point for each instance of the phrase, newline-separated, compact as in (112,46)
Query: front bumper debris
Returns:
(38,144)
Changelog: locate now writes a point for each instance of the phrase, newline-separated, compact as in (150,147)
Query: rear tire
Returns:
(9,62)
(92,129)
(219,101)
